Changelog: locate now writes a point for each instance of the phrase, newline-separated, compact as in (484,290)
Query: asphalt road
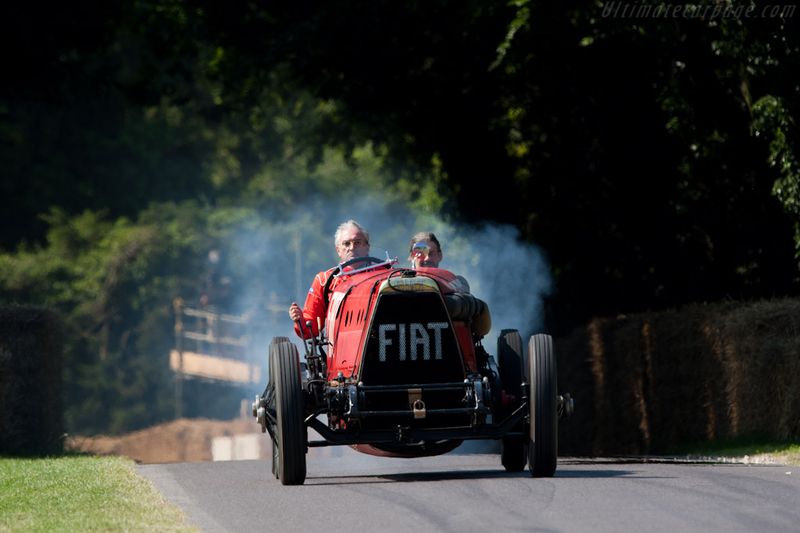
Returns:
(468,492)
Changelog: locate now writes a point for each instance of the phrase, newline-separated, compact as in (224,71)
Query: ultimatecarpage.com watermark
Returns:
(717,10)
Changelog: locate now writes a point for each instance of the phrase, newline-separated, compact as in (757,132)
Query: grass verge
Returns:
(81,493)
(755,450)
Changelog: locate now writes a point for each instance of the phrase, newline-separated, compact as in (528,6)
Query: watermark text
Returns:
(717,10)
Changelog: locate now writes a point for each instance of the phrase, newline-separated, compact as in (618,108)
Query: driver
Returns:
(351,240)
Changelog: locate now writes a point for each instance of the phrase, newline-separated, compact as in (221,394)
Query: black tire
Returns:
(271,404)
(280,340)
(543,442)
(290,438)
(510,359)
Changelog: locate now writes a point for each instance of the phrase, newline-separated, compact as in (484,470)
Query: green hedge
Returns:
(31,419)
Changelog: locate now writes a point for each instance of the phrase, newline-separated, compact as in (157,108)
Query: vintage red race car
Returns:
(400,370)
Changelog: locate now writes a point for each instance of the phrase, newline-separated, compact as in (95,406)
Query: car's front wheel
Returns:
(543,442)
(289,432)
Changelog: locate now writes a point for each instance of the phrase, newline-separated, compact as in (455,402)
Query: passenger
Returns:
(424,250)
(351,240)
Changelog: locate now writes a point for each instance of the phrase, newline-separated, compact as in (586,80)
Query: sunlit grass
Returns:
(81,493)
(790,456)
(753,447)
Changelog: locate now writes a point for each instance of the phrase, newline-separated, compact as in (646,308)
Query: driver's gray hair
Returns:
(337,237)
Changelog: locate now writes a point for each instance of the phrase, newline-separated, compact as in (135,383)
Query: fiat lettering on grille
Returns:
(412,340)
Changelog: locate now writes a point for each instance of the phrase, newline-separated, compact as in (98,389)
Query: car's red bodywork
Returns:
(350,309)
(348,329)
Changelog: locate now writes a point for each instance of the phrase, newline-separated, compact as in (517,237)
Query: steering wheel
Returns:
(370,261)
(365,259)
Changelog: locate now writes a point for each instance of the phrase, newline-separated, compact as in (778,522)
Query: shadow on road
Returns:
(594,473)
(417,477)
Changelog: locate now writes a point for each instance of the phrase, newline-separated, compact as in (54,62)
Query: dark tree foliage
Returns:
(625,146)
(640,152)
(73,134)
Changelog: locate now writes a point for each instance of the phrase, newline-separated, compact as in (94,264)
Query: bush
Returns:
(31,407)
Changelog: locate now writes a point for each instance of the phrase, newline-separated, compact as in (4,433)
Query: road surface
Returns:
(471,492)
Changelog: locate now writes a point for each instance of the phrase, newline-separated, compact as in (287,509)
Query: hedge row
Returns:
(31,420)
(653,383)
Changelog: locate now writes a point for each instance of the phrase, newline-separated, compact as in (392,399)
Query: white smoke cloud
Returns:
(511,276)
(274,262)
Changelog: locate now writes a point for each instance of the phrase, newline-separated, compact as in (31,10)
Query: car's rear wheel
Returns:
(289,433)
(511,361)
(543,442)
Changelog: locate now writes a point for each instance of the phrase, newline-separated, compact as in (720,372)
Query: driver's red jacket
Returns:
(315,306)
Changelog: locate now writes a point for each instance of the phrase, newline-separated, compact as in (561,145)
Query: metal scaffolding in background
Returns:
(210,345)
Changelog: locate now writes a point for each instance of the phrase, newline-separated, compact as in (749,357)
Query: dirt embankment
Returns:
(183,440)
